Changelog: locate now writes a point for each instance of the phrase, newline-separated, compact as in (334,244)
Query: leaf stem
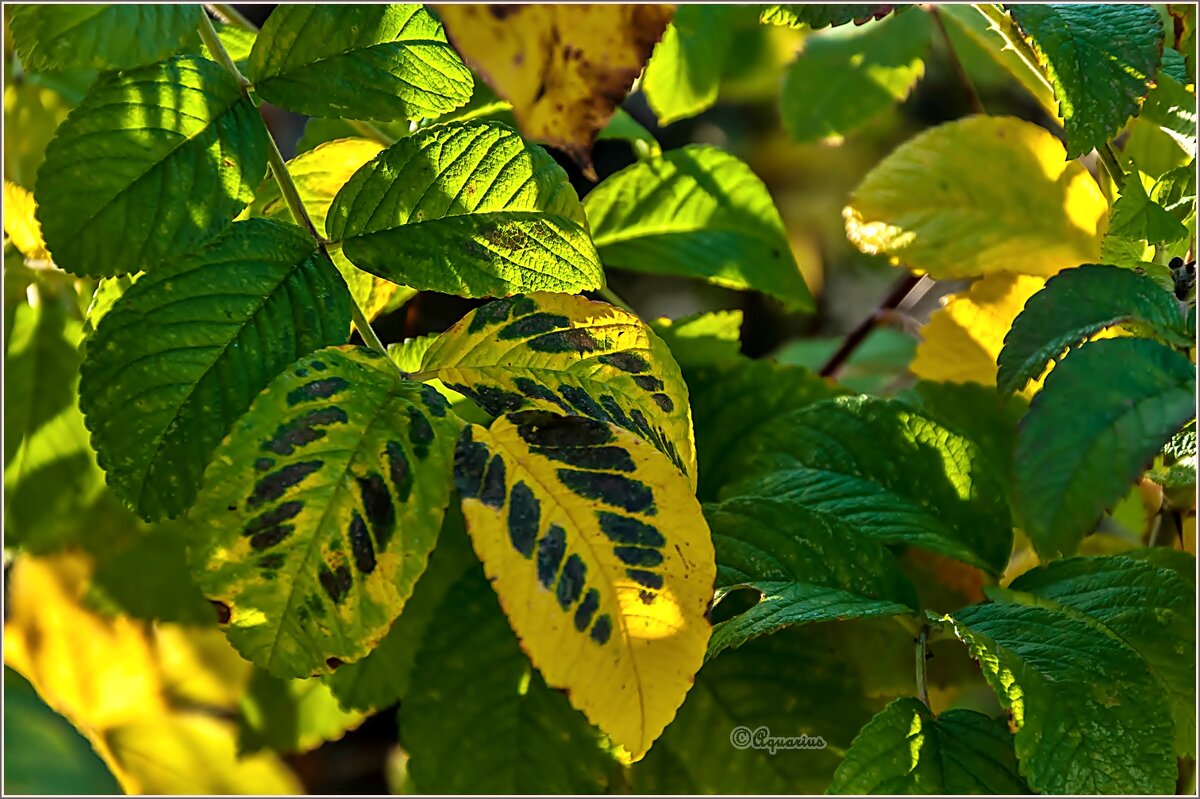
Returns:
(899,293)
(287,186)
(964,80)
(922,655)
(1112,165)
(228,14)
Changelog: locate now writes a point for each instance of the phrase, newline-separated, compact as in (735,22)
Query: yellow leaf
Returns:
(602,561)
(36,112)
(20,223)
(564,68)
(319,174)
(977,196)
(961,341)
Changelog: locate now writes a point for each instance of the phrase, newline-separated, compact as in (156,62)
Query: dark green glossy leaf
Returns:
(102,35)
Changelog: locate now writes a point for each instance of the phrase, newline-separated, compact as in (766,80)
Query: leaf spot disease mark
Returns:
(273,485)
(533,325)
(317,389)
(223,612)
(378,505)
(596,458)
(571,581)
(573,340)
(611,489)
(524,517)
(360,544)
(551,549)
(298,432)
(545,429)
(602,629)
(626,362)
(629,531)
(398,470)
(494,484)
(587,608)
(336,582)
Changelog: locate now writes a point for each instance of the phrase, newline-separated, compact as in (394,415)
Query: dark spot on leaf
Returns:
(223,612)
(583,402)
(609,403)
(524,518)
(378,505)
(420,432)
(336,582)
(360,544)
(626,362)
(398,470)
(648,382)
(545,429)
(551,549)
(602,629)
(648,579)
(273,485)
(271,536)
(535,390)
(647,597)
(636,556)
(470,461)
(573,340)
(496,401)
(332,663)
(303,430)
(587,608)
(532,325)
(612,489)
(499,311)
(271,562)
(318,366)
(317,389)
(628,531)
(570,582)
(494,485)
(262,464)
(276,515)
(611,458)
(435,402)
(663,401)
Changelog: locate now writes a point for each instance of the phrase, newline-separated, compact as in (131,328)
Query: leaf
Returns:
(684,73)
(49,756)
(623,127)
(1147,606)
(237,42)
(513,734)
(290,715)
(1074,305)
(148,578)
(569,355)
(318,131)
(184,351)
(892,473)
(361,61)
(115,192)
(318,175)
(872,368)
(102,36)
(20,224)
(1103,415)
(469,209)
(623,571)
(1069,687)
(701,338)
(696,212)
(563,68)
(932,204)
(732,402)
(36,111)
(842,80)
(383,677)
(816,15)
(807,566)
(1173,108)
(320,509)
(962,341)
(1101,60)
(905,749)
(1136,216)
(752,688)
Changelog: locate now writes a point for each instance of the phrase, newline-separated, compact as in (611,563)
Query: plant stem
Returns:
(611,296)
(964,80)
(1113,166)
(922,655)
(855,337)
(287,186)
(232,16)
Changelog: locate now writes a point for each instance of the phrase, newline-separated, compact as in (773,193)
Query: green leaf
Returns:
(872,368)
(1173,108)
(732,402)
(320,509)
(512,734)
(102,36)
(1101,60)
(1076,304)
(684,73)
(979,195)
(148,578)
(1150,608)
(290,715)
(696,212)
(906,750)
(382,678)
(624,127)
(843,79)
(318,131)
(1174,65)
(759,686)
(44,754)
(469,209)
(813,16)
(358,61)
(892,473)
(713,337)
(1072,688)
(237,43)
(807,566)
(623,572)
(1136,216)
(184,351)
(569,355)
(116,192)
(1103,414)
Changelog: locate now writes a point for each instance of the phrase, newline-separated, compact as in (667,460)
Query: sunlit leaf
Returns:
(1173,108)
(602,561)
(20,223)
(976,196)
(36,111)
(290,715)
(104,36)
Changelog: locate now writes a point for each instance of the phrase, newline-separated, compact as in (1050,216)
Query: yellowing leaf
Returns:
(319,174)
(602,561)
(20,224)
(562,353)
(976,196)
(564,68)
(960,342)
